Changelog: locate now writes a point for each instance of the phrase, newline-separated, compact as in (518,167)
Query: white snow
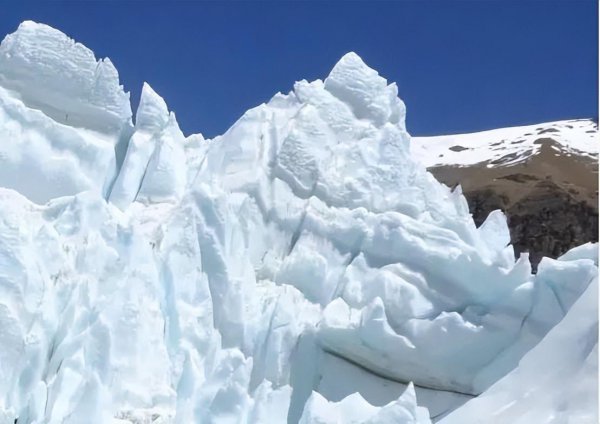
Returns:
(302,267)
(507,146)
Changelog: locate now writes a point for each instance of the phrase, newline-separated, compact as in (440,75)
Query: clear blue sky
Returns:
(460,65)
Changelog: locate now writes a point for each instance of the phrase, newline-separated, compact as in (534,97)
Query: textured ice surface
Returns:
(63,115)
(302,267)
(354,409)
(63,79)
(555,382)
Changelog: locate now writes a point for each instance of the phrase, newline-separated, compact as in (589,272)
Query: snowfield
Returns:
(508,146)
(302,267)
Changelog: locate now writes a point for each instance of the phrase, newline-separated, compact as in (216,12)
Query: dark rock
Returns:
(547,222)
(550,199)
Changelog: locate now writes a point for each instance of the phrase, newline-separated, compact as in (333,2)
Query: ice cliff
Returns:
(302,267)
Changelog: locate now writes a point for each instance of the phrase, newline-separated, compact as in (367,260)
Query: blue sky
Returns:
(460,65)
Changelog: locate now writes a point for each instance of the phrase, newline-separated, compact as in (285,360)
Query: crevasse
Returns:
(301,267)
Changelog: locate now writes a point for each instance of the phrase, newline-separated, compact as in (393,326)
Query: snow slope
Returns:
(508,146)
(158,278)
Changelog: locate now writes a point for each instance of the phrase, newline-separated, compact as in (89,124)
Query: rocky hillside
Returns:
(544,177)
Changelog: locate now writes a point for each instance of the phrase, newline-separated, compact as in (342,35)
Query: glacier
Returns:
(301,267)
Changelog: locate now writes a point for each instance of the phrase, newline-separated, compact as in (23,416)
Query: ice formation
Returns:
(302,267)
(555,382)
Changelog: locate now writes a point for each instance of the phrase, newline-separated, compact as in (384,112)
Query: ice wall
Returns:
(64,118)
(557,381)
(51,72)
(159,278)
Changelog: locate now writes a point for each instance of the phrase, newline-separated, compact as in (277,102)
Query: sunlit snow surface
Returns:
(509,146)
(302,267)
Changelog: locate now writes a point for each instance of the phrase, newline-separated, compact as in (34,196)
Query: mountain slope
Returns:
(544,177)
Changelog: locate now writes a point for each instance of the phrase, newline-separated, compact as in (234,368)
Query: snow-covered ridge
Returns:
(159,278)
(508,146)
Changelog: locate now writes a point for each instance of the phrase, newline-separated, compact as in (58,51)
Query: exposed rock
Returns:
(550,199)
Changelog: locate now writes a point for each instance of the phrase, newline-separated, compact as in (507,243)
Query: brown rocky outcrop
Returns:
(550,199)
